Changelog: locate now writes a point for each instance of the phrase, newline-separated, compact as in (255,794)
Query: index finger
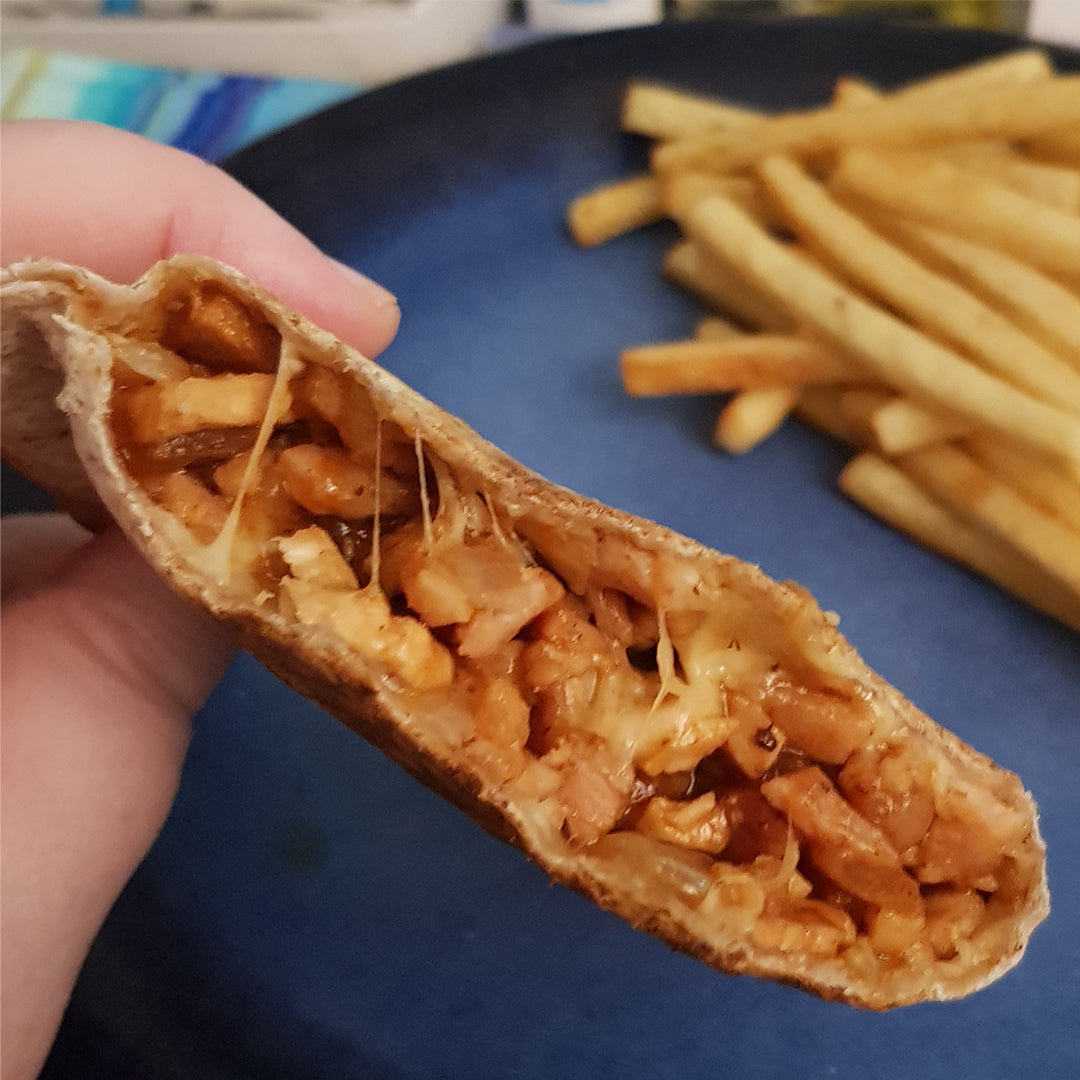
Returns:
(116,203)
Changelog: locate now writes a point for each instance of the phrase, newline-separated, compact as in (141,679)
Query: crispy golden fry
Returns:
(614,209)
(662,112)
(860,404)
(822,407)
(1018,66)
(740,189)
(886,491)
(940,194)
(937,251)
(680,190)
(901,424)
(896,424)
(1033,477)
(963,485)
(849,91)
(741,362)
(1056,186)
(713,328)
(1043,307)
(931,301)
(977,151)
(996,159)
(712,281)
(752,416)
(1014,111)
(885,346)
(1061,147)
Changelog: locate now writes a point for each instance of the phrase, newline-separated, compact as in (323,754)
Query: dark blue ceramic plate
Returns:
(309,910)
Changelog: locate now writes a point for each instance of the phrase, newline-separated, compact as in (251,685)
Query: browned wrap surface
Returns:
(56,393)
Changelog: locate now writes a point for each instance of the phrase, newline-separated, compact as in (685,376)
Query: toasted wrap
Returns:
(662,728)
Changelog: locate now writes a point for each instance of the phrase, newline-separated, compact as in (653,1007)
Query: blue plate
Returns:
(309,910)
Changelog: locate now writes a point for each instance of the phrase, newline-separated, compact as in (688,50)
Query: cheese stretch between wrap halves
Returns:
(660,727)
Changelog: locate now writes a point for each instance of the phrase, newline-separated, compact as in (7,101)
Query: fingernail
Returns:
(379,296)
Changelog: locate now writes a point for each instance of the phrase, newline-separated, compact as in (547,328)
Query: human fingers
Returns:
(116,203)
(103,667)
(35,548)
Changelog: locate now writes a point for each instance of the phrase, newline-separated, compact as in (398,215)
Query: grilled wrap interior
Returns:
(661,727)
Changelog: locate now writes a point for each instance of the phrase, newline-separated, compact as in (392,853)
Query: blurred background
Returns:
(213,75)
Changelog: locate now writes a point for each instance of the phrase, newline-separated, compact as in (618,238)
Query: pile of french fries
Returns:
(900,269)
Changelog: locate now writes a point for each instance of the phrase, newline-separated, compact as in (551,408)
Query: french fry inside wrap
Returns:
(660,727)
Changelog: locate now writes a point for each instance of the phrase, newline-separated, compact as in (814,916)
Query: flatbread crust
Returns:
(61,326)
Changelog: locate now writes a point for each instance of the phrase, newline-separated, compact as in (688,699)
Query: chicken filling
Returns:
(739,783)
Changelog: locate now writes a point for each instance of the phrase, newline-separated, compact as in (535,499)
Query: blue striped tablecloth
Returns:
(208,114)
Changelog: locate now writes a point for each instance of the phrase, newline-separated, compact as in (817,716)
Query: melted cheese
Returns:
(425,501)
(670,683)
(376,525)
(217,557)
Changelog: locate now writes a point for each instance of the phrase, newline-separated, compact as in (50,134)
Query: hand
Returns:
(103,666)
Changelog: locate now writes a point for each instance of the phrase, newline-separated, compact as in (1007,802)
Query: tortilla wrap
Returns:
(661,727)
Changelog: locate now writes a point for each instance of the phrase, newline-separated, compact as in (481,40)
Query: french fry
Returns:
(931,301)
(886,491)
(1041,306)
(886,347)
(901,424)
(926,311)
(896,424)
(861,403)
(609,211)
(849,91)
(662,112)
(742,362)
(679,191)
(938,193)
(752,416)
(977,153)
(1060,147)
(963,485)
(708,278)
(1055,186)
(1031,476)
(714,328)
(821,407)
(1018,66)
(1016,110)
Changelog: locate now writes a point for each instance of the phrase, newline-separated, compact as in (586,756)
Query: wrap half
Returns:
(660,727)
